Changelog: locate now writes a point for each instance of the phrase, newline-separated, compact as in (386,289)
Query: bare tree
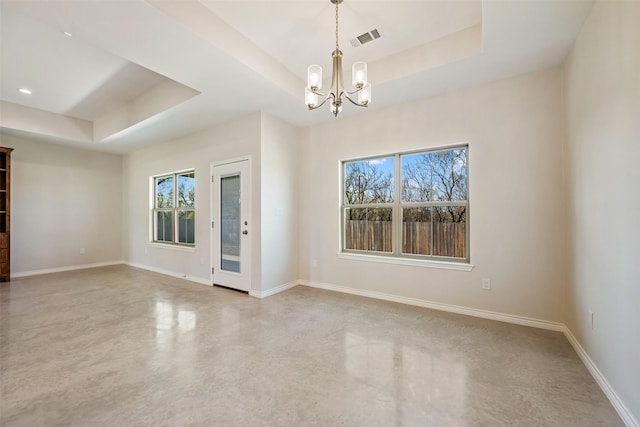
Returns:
(367,182)
(438,176)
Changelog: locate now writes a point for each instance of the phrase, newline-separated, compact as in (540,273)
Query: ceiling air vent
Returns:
(365,38)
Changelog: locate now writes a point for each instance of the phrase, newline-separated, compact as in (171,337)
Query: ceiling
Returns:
(136,72)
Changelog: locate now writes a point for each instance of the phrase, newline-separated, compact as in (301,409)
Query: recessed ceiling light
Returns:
(25,91)
(67,33)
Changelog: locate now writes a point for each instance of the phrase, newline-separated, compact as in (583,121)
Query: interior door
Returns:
(231,225)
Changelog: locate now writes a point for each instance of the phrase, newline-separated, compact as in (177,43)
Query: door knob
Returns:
(245,232)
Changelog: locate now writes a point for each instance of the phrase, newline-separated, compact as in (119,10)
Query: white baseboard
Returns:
(199,280)
(600,379)
(273,291)
(485,314)
(613,397)
(61,269)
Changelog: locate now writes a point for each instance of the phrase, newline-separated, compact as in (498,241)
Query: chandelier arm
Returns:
(321,104)
(346,95)
(355,91)
(314,90)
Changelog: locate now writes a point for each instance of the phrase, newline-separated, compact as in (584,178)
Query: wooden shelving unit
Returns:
(5,213)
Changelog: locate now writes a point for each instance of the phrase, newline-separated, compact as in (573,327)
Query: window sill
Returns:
(172,247)
(445,265)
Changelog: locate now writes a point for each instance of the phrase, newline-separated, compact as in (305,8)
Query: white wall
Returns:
(602,78)
(273,147)
(514,131)
(63,199)
(280,174)
(197,151)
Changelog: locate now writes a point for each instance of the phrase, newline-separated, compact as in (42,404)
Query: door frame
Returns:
(212,230)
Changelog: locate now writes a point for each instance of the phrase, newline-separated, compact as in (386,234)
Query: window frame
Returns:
(396,256)
(175,210)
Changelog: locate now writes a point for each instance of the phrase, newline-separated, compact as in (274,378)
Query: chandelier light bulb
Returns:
(359,74)
(311,99)
(335,108)
(364,95)
(314,77)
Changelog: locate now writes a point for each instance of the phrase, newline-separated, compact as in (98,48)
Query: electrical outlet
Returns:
(486,284)
(82,251)
(591,318)
(315,263)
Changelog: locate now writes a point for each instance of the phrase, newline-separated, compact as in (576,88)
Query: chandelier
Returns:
(337,92)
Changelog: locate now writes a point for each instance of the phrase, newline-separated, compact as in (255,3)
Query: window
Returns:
(174,208)
(411,205)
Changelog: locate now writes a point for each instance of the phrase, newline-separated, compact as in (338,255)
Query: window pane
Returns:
(449,231)
(164,192)
(187,190)
(186,227)
(416,231)
(368,229)
(230,227)
(439,175)
(369,181)
(164,226)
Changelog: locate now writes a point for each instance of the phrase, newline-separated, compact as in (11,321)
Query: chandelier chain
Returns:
(337,47)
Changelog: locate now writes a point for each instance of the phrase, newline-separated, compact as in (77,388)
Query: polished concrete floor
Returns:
(118,346)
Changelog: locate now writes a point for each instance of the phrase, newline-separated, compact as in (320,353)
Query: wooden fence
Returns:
(449,238)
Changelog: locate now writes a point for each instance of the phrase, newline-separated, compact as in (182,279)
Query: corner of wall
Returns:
(566,184)
(278,204)
(601,106)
